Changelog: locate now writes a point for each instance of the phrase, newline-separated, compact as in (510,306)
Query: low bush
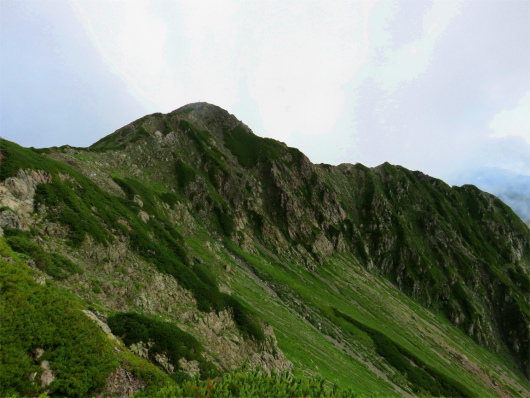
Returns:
(53,264)
(169,198)
(41,316)
(246,383)
(226,221)
(249,148)
(185,174)
(168,339)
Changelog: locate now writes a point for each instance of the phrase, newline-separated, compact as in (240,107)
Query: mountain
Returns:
(512,188)
(184,245)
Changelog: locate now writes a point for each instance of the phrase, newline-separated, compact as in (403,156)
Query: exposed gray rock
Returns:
(164,363)
(8,219)
(47,375)
(144,216)
(17,192)
(122,384)
(189,367)
(103,326)
(141,349)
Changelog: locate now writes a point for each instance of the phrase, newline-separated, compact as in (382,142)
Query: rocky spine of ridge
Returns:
(457,250)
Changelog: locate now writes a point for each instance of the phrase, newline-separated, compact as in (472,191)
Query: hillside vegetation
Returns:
(198,247)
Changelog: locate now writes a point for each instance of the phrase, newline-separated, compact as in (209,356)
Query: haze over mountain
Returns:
(436,86)
(512,188)
(184,245)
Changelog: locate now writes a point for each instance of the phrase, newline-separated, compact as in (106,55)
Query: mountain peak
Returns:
(190,218)
(202,115)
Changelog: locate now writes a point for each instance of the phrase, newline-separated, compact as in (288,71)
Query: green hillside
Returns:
(206,248)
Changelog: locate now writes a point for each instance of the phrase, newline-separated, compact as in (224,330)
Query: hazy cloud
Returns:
(408,61)
(514,122)
(132,40)
(305,54)
(430,85)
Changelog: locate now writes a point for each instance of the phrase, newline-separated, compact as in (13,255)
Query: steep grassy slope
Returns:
(47,344)
(383,280)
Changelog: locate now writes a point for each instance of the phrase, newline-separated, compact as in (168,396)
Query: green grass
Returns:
(424,378)
(41,316)
(378,309)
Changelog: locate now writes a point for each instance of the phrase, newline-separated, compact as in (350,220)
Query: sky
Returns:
(436,86)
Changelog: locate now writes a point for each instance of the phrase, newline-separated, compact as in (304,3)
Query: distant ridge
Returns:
(199,247)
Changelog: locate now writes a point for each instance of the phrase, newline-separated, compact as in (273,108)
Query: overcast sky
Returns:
(437,86)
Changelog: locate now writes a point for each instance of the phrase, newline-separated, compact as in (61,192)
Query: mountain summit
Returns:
(187,224)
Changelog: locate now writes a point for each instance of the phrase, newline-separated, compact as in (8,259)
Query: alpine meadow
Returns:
(183,255)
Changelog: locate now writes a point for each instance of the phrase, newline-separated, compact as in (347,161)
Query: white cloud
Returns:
(168,53)
(132,39)
(296,57)
(297,62)
(406,63)
(209,64)
(514,122)
(306,53)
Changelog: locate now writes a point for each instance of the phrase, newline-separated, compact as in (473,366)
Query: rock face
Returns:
(17,192)
(47,376)
(8,219)
(16,198)
(103,326)
(189,367)
(199,175)
(123,384)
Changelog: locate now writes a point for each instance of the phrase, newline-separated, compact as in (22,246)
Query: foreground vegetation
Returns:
(39,322)
(253,384)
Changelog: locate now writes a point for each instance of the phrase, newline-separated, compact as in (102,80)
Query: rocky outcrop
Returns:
(219,335)
(122,384)
(271,357)
(9,219)
(189,367)
(17,192)
(141,349)
(47,376)
(102,325)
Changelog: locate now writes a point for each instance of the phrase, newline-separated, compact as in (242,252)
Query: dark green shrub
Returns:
(185,174)
(17,158)
(180,377)
(53,264)
(71,211)
(41,316)
(226,222)
(168,339)
(245,383)
(245,318)
(251,149)
(41,150)
(8,232)
(169,198)
(167,128)
(140,132)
